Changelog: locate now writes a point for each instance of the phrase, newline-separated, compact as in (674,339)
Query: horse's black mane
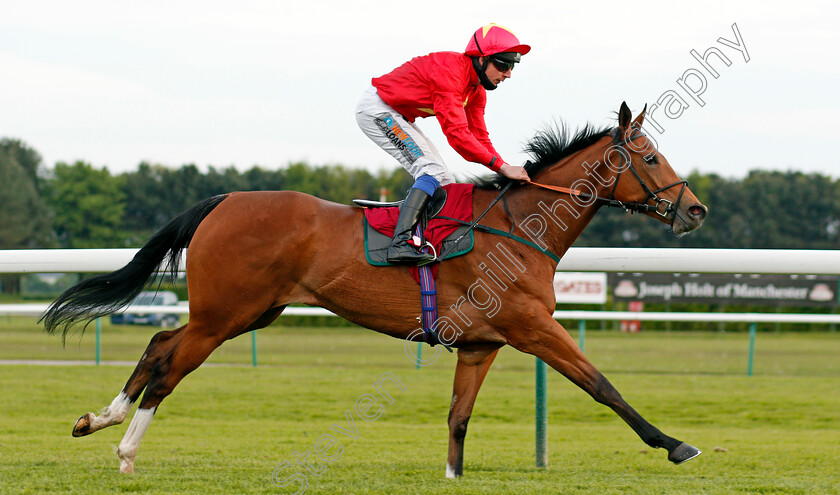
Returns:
(548,147)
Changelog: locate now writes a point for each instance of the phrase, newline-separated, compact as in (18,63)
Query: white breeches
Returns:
(400,138)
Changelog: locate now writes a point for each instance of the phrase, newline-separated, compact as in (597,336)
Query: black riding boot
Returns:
(400,251)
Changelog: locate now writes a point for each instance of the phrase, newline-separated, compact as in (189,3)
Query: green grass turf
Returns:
(226,429)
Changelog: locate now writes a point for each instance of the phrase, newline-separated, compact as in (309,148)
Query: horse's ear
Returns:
(624,115)
(637,122)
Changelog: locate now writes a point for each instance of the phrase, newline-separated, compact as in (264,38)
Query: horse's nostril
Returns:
(697,211)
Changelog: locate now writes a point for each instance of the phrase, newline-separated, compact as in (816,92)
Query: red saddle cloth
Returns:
(458,205)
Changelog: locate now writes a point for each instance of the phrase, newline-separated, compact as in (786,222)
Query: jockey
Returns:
(453,87)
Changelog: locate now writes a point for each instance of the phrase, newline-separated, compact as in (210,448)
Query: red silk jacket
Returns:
(443,84)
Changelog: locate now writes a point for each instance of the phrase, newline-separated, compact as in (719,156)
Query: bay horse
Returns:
(253,253)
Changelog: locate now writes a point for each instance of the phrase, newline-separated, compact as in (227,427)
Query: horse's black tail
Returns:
(103,294)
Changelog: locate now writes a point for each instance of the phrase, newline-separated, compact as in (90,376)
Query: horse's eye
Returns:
(651,160)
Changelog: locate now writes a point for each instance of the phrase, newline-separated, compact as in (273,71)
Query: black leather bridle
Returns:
(651,195)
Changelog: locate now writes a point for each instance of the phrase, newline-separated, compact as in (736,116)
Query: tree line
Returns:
(79,205)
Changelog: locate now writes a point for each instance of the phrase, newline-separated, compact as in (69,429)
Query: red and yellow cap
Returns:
(492,39)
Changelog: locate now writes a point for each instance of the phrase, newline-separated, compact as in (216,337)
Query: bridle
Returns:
(633,206)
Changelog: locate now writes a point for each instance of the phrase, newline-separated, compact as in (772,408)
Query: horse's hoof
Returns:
(126,462)
(126,468)
(683,452)
(82,427)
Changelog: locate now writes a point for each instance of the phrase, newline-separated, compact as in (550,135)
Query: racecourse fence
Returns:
(651,260)
(582,317)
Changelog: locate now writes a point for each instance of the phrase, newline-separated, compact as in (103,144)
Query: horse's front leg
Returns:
(473,364)
(549,341)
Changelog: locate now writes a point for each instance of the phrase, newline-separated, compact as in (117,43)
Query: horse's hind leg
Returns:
(191,349)
(116,412)
(549,341)
(175,356)
(473,364)
(160,345)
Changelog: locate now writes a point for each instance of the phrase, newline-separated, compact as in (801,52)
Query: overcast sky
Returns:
(265,83)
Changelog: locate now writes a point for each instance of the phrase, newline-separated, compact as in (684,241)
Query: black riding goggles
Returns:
(501,64)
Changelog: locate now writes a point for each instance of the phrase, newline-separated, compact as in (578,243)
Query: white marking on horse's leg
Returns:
(113,414)
(127,450)
(450,473)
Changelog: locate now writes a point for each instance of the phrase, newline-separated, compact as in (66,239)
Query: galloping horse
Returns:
(253,253)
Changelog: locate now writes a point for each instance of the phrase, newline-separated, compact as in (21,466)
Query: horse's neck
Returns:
(564,218)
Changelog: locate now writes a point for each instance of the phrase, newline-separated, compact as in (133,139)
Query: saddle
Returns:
(441,224)
(433,207)
(443,230)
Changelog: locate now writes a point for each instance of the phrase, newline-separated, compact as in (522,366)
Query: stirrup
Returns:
(433,253)
(420,259)
(410,255)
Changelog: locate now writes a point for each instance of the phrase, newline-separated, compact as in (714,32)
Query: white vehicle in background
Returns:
(150,298)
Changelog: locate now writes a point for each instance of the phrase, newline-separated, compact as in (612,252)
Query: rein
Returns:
(474,223)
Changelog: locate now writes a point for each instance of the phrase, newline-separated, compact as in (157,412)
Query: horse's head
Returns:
(645,181)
